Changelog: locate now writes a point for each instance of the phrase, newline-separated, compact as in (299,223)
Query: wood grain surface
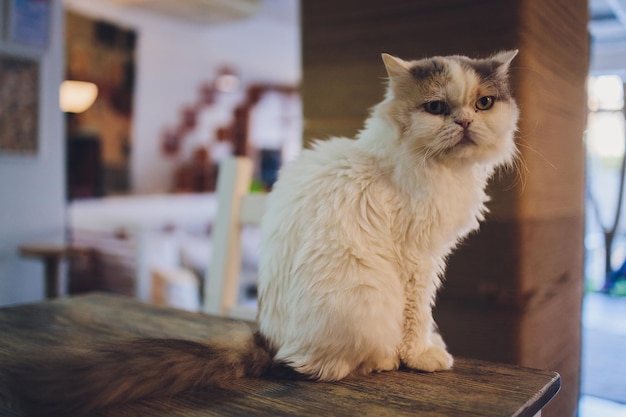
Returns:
(473,388)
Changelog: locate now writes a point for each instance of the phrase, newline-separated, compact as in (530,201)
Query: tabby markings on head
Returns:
(437,71)
(428,70)
(489,73)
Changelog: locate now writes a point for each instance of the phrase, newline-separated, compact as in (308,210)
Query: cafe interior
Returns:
(136,106)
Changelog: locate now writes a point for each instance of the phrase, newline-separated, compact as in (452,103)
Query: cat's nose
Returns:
(463,122)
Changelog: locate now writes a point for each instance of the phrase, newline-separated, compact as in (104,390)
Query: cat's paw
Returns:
(434,358)
(390,363)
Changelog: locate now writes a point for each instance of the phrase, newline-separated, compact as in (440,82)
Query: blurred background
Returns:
(159,92)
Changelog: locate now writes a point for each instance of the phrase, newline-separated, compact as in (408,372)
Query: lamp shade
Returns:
(77,96)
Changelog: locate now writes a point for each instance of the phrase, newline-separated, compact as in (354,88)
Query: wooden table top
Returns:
(472,388)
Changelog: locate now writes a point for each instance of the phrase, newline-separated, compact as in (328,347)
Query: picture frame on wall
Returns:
(3,12)
(27,22)
(19,105)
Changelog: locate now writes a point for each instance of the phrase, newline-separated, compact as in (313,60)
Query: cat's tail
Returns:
(80,383)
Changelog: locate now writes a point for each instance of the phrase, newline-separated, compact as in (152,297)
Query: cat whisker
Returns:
(425,154)
(523,144)
(519,167)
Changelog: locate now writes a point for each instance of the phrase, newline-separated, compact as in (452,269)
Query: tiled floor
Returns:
(603,386)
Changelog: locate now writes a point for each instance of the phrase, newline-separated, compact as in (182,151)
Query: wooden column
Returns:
(513,291)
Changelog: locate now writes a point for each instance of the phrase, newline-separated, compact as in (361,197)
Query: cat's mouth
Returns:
(458,144)
(465,140)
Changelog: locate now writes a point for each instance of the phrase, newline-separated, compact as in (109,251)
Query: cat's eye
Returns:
(436,107)
(485,103)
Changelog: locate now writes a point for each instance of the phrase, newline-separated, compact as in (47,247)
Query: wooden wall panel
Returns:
(513,290)
(554,51)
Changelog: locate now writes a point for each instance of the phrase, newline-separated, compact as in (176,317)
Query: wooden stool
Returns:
(52,255)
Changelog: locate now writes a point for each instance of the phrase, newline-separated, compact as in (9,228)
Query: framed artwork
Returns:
(19,105)
(28,22)
(3,11)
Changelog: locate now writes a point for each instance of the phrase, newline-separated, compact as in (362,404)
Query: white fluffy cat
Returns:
(355,240)
(357,232)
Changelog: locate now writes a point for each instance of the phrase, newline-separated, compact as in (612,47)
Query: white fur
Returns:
(357,232)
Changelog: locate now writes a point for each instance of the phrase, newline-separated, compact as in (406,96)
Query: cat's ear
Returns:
(395,66)
(504,58)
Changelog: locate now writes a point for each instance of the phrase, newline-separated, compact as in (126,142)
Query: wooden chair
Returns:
(236,207)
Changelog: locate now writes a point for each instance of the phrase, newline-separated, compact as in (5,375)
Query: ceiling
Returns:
(607,28)
(200,11)
(214,11)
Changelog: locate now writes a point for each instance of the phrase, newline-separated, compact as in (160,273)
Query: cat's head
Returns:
(453,109)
